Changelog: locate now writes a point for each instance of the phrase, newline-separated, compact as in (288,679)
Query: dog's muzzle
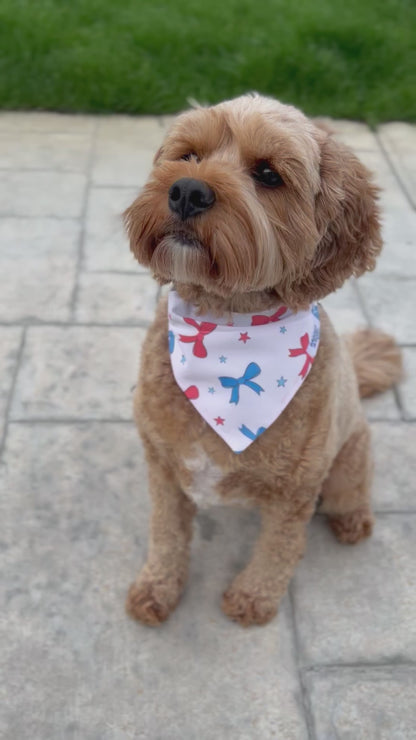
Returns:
(188,197)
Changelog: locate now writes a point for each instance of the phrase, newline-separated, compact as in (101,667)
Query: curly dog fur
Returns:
(257,247)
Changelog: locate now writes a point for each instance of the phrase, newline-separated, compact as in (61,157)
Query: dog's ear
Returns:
(347,219)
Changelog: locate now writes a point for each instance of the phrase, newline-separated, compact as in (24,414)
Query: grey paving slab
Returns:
(392,194)
(167,121)
(358,603)
(46,122)
(28,194)
(381,406)
(10,339)
(398,256)
(64,152)
(106,246)
(399,141)
(77,372)
(407,388)
(352,133)
(394,448)
(344,310)
(364,704)
(112,298)
(391,304)
(68,562)
(37,268)
(125,148)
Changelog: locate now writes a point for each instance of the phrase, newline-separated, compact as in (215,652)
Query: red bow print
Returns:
(204,328)
(259,319)
(303,350)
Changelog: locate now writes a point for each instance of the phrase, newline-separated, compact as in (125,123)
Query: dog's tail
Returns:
(377,360)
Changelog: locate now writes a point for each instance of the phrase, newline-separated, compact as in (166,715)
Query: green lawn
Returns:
(345,58)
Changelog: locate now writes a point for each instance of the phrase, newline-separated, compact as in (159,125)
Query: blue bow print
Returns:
(251,371)
(251,435)
(171,339)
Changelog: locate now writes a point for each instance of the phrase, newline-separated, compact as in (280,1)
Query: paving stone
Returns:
(352,133)
(42,194)
(68,563)
(399,140)
(46,123)
(77,372)
(10,338)
(344,310)
(31,151)
(106,246)
(167,121)
(112,298)
(394,448)
(381,406)
(407,388)
(358,603)
(391,305)
(125,149)
(37,268)
(364,703)
(392,195)
(397,258)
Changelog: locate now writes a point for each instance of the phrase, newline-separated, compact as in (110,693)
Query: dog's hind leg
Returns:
(346,491)
(156,592)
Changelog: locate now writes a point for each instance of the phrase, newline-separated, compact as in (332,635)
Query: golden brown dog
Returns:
(280,214)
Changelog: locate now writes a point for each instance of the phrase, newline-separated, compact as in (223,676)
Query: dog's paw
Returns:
(352,528)
(246,608)
(150,602)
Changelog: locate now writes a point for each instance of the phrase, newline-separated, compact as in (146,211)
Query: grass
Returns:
(345,58)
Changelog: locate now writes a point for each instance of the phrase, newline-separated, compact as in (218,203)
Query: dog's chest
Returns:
(202,479)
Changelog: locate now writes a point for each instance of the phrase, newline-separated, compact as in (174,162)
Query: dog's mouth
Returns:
(180,239)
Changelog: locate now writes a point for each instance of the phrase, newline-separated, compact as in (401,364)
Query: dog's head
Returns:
(250,195)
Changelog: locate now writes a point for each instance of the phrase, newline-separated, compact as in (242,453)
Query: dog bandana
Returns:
(240,371)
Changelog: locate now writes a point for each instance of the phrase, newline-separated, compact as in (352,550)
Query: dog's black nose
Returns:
(188,197)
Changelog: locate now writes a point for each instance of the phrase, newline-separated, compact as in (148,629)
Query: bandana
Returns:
(240,371)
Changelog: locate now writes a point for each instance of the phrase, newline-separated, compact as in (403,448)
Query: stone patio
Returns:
(339,661)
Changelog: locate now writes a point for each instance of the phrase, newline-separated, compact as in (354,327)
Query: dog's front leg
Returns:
(156,592)
(254,595)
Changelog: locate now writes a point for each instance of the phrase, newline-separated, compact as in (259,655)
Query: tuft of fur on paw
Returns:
(352,528)
(247,609)
(377,360)
(147,602)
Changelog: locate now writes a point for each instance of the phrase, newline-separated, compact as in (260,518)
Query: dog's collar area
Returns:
(229,318)
(240,371)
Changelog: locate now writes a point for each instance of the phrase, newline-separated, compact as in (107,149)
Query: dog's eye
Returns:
(264,174)
(190,155)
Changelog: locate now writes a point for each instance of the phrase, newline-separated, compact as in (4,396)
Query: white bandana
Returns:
(241,371)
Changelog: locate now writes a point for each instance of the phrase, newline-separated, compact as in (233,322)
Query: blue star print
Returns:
(222,359)
(283,330)
(281,382)
(211,390)
(183,359)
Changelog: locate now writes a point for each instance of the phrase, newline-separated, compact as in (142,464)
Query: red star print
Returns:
(219,421)
(244,337)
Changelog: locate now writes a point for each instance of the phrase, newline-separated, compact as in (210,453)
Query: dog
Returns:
(254,213)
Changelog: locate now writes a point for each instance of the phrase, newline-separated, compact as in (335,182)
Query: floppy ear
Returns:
(347,219)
